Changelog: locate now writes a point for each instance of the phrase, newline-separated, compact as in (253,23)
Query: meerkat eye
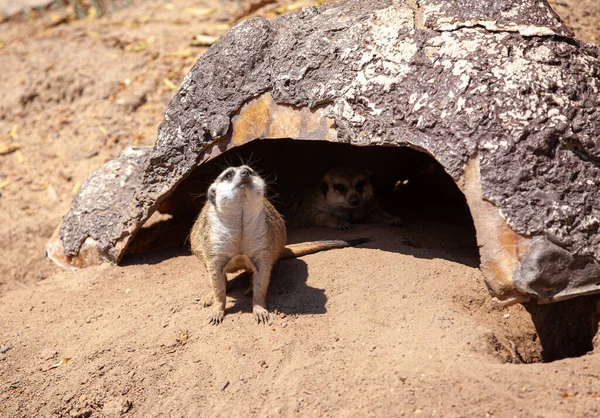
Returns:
(228,175)
(360,186)
(340,188)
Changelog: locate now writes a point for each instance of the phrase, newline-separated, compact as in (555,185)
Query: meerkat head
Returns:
(237,186)
(346,187)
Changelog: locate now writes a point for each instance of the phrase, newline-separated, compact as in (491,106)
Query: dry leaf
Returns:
(8,148)
(183,54)
(204,40)
(76,187)
(169,84)
(199,12)
(112,141)
(20,157)
(290,7)
(140,45)
(92,13)
(13,131)
(60,363)
(52,195)
(221,27)
(103,129)
(4,184)
(184,337)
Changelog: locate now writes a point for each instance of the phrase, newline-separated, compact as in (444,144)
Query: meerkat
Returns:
(239,229)
(344,196)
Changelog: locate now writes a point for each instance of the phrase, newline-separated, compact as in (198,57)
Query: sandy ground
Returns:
(401,326)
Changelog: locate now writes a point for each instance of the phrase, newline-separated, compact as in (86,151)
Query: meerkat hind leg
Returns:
(219,285)
(261,278)
(208,300)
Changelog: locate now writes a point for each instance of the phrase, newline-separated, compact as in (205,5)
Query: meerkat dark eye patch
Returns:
(228,175)
(360,186)
(340,188)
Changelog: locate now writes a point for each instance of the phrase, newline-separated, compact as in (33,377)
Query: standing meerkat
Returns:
(238,228)
(344,196)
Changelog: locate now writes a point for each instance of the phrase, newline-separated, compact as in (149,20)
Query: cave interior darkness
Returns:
(409,183)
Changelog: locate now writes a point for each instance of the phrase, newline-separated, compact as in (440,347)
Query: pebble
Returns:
(115,408)
(4,349)
(83,413)
(224,385)
(48,353)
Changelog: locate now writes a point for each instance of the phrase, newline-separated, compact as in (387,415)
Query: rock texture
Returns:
(500,95)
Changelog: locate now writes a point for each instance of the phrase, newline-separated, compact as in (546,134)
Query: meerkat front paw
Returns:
(396,222)
(344,226)
(207,300)
(261,314)
(216,317)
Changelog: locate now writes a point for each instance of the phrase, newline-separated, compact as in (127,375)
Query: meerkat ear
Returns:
(323,187)
(212,195)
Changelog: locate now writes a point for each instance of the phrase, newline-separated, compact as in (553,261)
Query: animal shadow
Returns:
(288,291)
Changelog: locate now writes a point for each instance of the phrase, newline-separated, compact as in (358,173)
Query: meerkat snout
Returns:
(233,184)
(354,200)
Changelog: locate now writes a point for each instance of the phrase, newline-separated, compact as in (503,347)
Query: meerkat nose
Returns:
(354,200)
(244,173)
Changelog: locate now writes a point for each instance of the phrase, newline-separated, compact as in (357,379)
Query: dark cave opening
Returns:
(409,183)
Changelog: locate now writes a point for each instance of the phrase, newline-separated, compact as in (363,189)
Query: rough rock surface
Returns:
(504,85)
(108,192)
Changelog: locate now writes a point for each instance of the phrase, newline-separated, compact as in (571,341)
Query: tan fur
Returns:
(238,228)
(343,197)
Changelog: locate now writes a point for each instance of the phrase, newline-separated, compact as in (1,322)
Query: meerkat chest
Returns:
(239,237)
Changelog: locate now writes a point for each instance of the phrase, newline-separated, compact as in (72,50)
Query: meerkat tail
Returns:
(304,248)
